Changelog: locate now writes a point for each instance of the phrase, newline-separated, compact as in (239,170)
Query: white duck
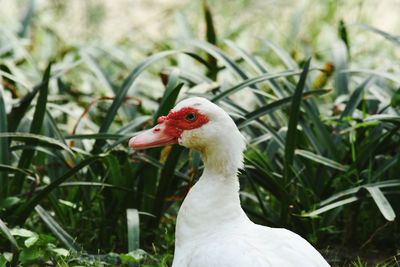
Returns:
(212,229)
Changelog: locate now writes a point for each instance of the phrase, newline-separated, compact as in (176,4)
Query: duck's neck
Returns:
(223,163)
(213,203)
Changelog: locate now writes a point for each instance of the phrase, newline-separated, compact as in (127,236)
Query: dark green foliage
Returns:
(321,160)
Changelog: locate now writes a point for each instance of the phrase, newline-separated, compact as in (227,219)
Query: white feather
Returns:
(212,228)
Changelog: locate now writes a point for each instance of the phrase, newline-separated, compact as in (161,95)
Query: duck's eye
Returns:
(190,116)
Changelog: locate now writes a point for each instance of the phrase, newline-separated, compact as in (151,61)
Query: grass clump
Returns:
(323,135)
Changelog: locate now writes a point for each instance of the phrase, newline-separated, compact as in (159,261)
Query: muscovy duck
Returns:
(212,229)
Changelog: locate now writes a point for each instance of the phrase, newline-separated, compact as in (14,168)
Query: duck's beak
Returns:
(156,136)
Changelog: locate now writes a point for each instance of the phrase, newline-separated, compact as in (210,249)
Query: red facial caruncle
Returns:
(169,128)
(187,118)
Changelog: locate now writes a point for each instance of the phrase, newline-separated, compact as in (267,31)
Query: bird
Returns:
(212,229)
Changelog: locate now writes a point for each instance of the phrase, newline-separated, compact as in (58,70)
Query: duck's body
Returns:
(212,229)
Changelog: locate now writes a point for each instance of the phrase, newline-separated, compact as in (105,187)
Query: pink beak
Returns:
(153,137)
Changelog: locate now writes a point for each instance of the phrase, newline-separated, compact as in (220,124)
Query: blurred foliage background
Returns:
(79,78)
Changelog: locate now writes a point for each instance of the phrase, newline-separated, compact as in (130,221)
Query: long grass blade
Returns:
(253,81)
(27,19)
(393,38)
(170,95)
(283,55)
(381,201)
(126,86)
(322,160)
(290,144)
(251,60)
(4,146)
(220,55)
(340,63)
(355,98)
(25,172)
(331,206)
(132,218)
(258,67)
(24,211)
(4,229)
(387,75)
(211,37)
(35,128)
(18,112)
(57,230)
(167,181)
(271,107)
(350,191)
(37,139)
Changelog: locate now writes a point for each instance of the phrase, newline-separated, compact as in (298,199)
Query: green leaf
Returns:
(154,184)
(262,176)
(7,233)
(126,86)
(61,252)
(101,76)
(220,55)
(291,136)
(133,256)
(18,112)
(393,38)
(170,95)
(258,195)
(325,140)
(383,117)
(320,159)
(130,126)
(105,136)
(22,213)
(91,184)
(387,75)
(268,108)
(395,101)
(133,226)
(211,37)
(253,81)
(340,63)
(31,254)
(22,232)
(36,126)
(342,30)
(331,206)
(57,230)
(167,181)
(381,201)
(31,240)
(373,189)
(259,68)
(3,260)
(9,202)
(355,98)
(283,55)
(27,19)
(17,170)
(350,191)
(154,162)
(37,139)
(4,147)
(250,59)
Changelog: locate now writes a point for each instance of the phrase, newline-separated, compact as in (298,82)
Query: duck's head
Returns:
(199,124)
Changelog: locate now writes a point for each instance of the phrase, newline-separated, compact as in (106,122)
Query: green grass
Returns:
(322,130)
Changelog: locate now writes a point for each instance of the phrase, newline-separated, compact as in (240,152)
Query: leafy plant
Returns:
(322,157)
